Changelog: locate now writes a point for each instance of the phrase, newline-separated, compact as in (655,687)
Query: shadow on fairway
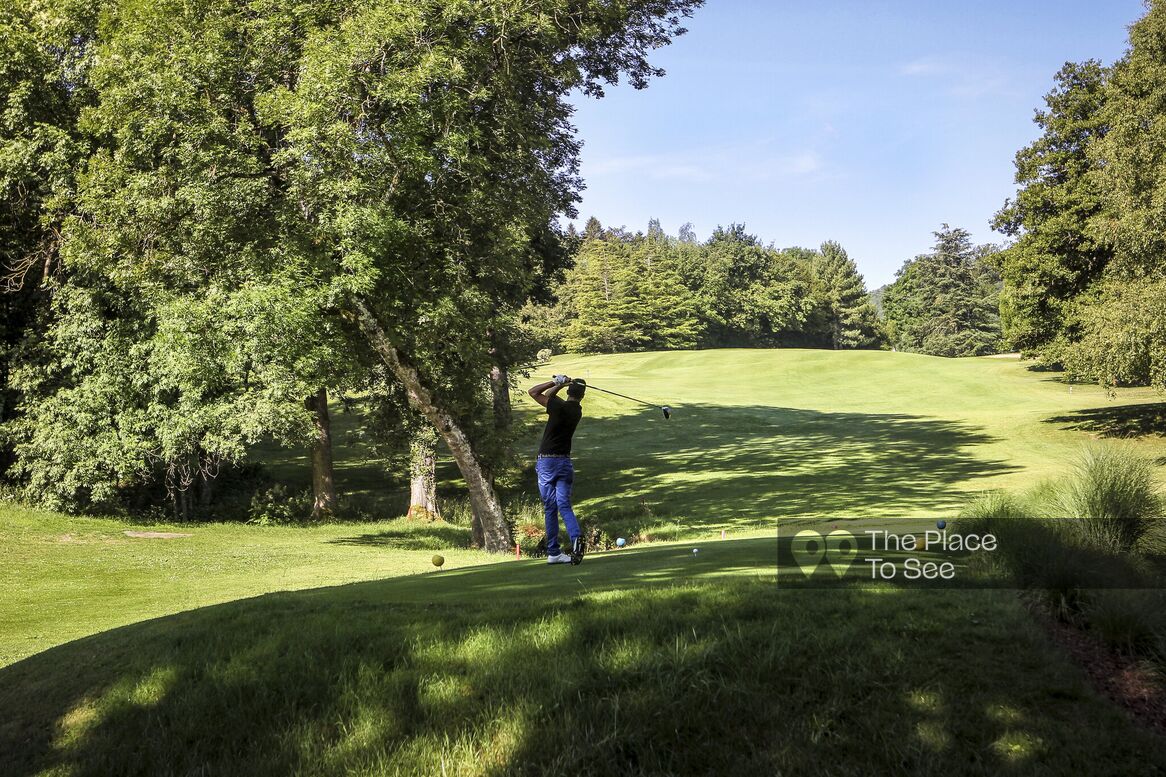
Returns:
(1137,420)
(740,678)
(714,466)
(415,537)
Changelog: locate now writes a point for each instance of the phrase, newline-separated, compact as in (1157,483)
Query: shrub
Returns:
(597,539)
(280,505)
(526,519)
(531,538)
(1050,556)
(1130,621)
(1113,494)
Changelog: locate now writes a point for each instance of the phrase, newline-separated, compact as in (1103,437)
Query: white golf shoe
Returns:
(561,558)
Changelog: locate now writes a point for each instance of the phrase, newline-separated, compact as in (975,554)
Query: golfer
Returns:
(556,475)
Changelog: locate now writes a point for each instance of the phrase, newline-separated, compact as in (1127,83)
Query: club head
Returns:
(667,412)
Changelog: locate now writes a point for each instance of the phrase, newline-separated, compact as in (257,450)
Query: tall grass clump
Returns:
(1032,552)
(1131,621)
(1113,497)
(1080,543)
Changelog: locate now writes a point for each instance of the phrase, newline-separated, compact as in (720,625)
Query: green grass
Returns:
(337,649)
(759,435)
(611,668)
(68,577)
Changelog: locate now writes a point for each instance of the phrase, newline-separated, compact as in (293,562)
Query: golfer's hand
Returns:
(560,380)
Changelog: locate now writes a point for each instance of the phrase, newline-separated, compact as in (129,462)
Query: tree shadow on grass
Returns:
(715,466)
(1137,420)
(415,536)
(739,678)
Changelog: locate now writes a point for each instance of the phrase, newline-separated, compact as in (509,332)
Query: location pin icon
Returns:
(841,548)
(807,548)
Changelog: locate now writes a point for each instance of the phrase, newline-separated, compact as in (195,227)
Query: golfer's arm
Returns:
(540,394)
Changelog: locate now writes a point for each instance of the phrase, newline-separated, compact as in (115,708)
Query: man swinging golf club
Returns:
(555,472)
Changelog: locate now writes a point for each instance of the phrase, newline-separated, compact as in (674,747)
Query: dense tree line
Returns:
(215,213)
(1085,278)
(629,292)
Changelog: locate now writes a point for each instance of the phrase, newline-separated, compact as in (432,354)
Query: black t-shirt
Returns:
(564,417)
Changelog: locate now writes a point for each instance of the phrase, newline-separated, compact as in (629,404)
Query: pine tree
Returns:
(592,230)
(944,303)
(655,231)
(851,318)
(669,314)
(593,294)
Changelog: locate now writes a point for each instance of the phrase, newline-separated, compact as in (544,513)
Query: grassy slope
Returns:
(759,435)
(69,577)
(486,669)
(647,661)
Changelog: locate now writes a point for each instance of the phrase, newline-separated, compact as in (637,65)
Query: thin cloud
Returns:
(800,164)
(964,80)
(924,67)
(985,85)
(705,165)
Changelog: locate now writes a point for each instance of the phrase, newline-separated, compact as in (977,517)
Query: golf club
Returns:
(665,408)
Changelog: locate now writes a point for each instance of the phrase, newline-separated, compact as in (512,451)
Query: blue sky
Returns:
(870,123)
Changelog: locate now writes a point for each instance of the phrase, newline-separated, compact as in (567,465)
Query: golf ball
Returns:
(696,550)
(619,543)
(941,524)
(438,561)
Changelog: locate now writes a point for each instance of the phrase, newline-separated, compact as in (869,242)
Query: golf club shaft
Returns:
(625,396)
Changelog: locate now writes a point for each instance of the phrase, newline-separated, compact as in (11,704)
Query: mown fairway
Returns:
(767,434)
(128,655)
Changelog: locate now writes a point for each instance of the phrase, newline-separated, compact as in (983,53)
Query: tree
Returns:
(655,231)
(945,303)
(143,388)
(1123,339)
(323,480)
(594,292)
(166,351)
(479,163)
(667,313)
(1056,255)
(628,295)
(1123,335)
(592,230)
(748,293)
(399,165)
(44,53)
(849,316)
(423,474)
(1131,156)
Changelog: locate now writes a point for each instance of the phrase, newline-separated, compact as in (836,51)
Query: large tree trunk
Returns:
(500,388)
(323,483)
(423,476)
(483,499)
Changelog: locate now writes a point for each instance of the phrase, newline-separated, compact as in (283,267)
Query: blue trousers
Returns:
(555,478)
